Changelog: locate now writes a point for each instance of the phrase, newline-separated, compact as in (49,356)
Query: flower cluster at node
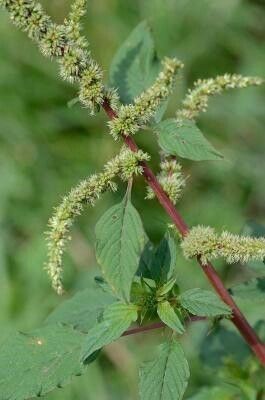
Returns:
(171,179)
(91,87)
(197,98)
(125,165)
(205,243)
(133,116)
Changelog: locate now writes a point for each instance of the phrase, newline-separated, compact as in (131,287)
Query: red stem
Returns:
(141,329)
(158,325)
(237,317)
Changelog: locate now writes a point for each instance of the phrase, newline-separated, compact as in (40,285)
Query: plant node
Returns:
(133,116)
(171,179)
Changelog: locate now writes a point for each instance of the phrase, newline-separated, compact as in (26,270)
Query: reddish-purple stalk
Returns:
(238,318)
(158,325)
(144,328)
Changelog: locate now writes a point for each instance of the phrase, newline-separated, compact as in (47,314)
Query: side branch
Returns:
(158,325)
(238,318)
(146,328)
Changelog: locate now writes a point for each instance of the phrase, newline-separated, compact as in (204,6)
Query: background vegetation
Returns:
(47,146)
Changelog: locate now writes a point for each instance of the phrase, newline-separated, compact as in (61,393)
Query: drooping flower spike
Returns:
(124,165)
(196,101)
(63,42)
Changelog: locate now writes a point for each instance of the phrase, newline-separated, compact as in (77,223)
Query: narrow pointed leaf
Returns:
(203,303)
(120,239)
(166,287)
(35,363)
(166,377)
(145,260)
(116,319)
(168,315)
(185,141)
(163,263)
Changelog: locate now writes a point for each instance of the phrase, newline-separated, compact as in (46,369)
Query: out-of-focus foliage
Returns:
(46,147)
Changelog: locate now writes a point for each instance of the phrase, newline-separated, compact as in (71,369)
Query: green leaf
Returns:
(145,260)
(166,377)
(250,291)
(135,65)
(166,287)
(185,141)
(120,239)
(103,285)
(116,319)
(83,309)
(203,303)
(163,263)
(168,315)
(33,364)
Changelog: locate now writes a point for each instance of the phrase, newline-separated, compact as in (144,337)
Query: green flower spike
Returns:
(171,179)
(205,243)
(125,165)
(197,98)
(133,116)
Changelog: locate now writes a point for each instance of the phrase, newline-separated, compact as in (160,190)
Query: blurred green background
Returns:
(47,147)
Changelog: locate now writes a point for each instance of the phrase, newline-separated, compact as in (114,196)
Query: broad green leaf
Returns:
(185,141)
(103,285)
(83,309)
(168,315)
(33,364)
(203,303)
(116,319)
(250,291)
(135,65)
(120,239)
(163,263)
(166,377)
